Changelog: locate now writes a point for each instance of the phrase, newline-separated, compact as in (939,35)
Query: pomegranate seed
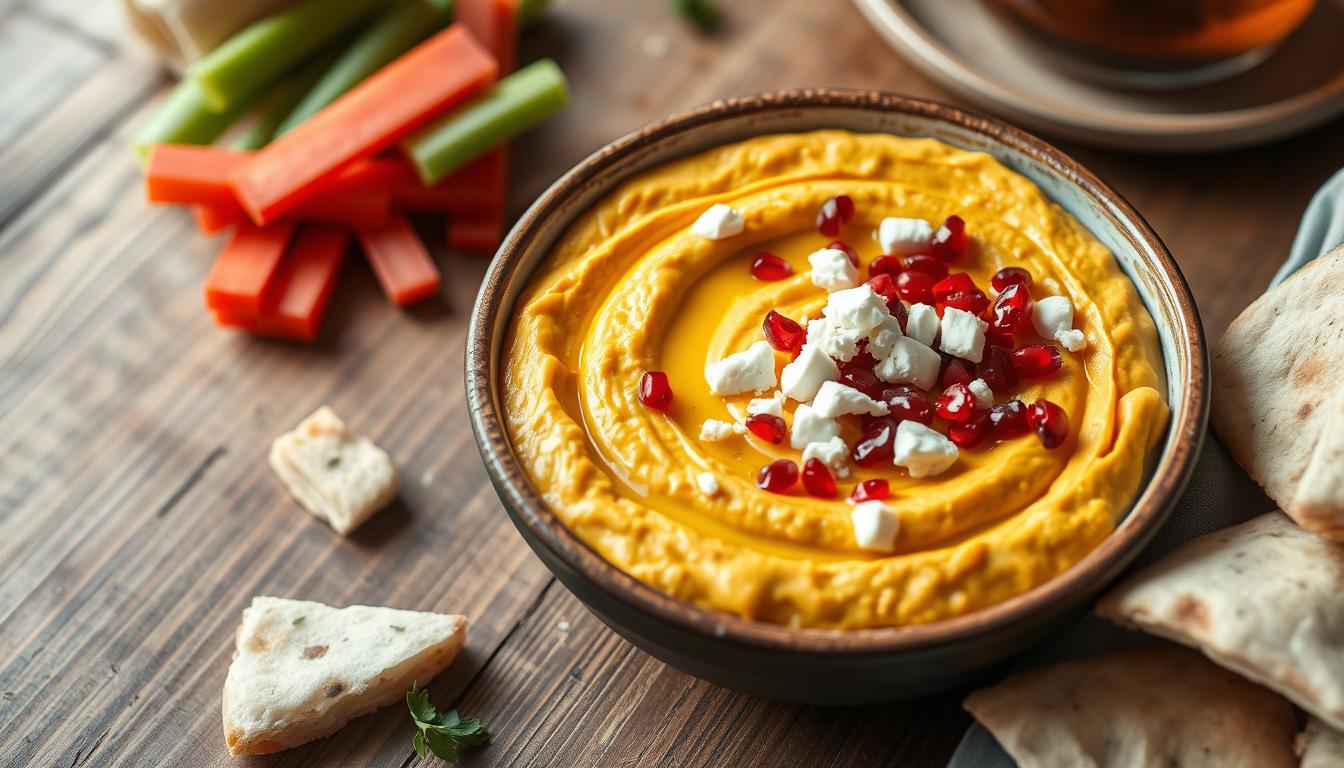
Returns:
(783,333)
(768,427)
(863,361)
(863,380)
(996,368)
(778,476)
(956,404)
(959,282)
(769,267)
(817,479)
(949,242)
(884,285)
(876,489)
(1010,276)
(1009,420)
(908,404)
(835,213)
(1035,360)
(995,339)
(654,391)
(1049,421)
(898,311)
(1012,310)
(923,262)
(915,287)
(841,245)
(970,433)
(875,447)
(974,301)
(957,371)
(885,265)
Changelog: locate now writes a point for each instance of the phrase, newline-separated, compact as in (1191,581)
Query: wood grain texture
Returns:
(137,515)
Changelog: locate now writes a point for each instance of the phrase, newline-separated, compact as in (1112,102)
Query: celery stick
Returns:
(263,52)
(280,102)
(508,108)
(394,33)
(183,118)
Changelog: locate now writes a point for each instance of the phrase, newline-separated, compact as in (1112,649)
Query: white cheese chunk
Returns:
(921,450)
(707,483)
(719,221)
(883,338)
(984,396)
(875,526)
(903,236)
(773,405)
(752,370)
(716,430)
(832,269)
(860,309)
(340,478)
(810,427)
(834,453)
(802,378)
(836,341)
(963,334)
(835,399)
(910,362)
(922,324)
(1053,318)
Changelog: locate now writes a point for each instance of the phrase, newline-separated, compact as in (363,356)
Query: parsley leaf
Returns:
(297,621)
(333,462)
(442,732)
(397,627)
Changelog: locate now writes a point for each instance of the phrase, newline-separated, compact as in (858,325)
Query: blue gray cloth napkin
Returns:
(1220,495)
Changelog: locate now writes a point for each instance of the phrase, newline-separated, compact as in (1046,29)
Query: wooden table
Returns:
(138,516)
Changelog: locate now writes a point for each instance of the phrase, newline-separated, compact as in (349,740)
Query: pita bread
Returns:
(1277,400)
(338,477)
(1148,707)
(1320,746)
(1261,598)
(301,670)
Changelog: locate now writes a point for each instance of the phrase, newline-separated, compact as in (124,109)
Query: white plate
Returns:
(961,46)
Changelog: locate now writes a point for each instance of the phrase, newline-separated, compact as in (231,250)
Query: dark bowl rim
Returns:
(527,508)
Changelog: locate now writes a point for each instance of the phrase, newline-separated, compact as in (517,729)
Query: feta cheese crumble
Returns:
(834,453)
(899,236)
(836,341)
(963,334)
(811,427)
(910,362)
(773,405)
(752,370)
(884,338)
(984,396)
(716,430)
(875,526)
(860,309)
(922,324)
(1053,318)
(835,399)
(921,450)
(832,270)
(707,483)
(802,378)
(719,221)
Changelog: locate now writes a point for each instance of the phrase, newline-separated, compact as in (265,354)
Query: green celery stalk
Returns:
(395,32)
(281,101)
(529,11)
(264,51)
(183,118)
(508,108)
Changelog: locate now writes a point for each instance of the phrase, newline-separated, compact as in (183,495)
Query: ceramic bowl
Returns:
(815,665)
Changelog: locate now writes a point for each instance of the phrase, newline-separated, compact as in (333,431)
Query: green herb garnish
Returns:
(705,13)
(397,627)
(442,732)
(296,622)
(333,462)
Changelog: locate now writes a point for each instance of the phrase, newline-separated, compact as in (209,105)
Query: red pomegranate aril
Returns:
(1009,420)
(957,371)
(949,242)
(923,262)
(778,476)
(1032,361)
(898,311)
(956,404)
(973,301)
(908,404)
(875,446)
(769,267)
(970,433)
(959,282)
(783,333)
(885,265)
(863,380)
(1049,422)
(915,287)
(841,245)
(995,339)
(768,427)
(1012,310)
(835,213)
(876,489)
(884,285)
(996,368)
(817,479)
(1010,276)
(863,361)
(654,391)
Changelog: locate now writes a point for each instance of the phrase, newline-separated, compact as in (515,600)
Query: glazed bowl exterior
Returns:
(817,665)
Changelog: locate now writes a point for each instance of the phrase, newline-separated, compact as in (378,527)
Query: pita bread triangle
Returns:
(301,669)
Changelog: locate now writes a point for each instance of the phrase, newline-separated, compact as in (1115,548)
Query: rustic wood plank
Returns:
(101,23)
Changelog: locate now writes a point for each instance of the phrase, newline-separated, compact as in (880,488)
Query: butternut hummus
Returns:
(630,288)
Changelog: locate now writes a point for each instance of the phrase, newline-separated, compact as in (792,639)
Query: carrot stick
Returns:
(477,232)
(432,77)
(246,269)
(187,174)
(307,278)
(399,260)
(477,186)
(356,207)
(495,24)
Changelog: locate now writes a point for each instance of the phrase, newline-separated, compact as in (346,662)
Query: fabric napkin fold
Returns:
(1220,495)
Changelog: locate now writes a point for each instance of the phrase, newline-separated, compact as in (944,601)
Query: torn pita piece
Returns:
(338,477)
